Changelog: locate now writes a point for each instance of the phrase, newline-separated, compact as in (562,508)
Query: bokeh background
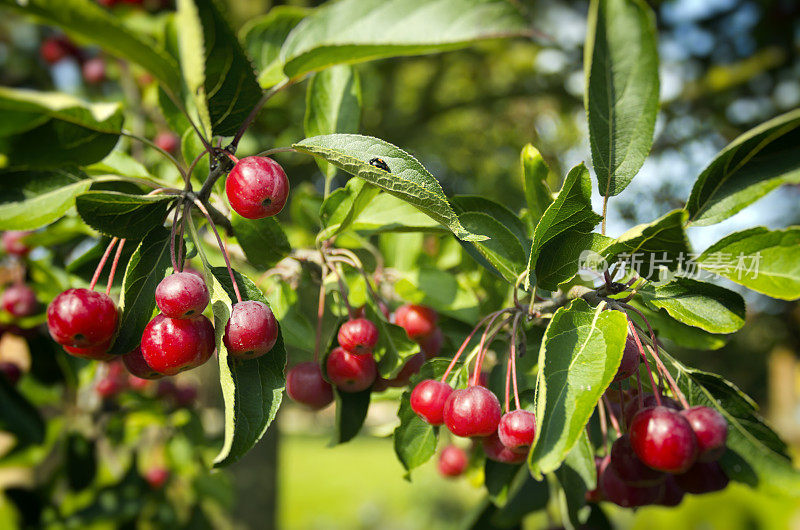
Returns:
(726,66)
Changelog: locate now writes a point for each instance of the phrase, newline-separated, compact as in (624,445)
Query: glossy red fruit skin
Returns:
(257,187)
(11,372)
(350,372)
(358,336)
(703,477)
(495,450)
(251,331)
(622,494)
(82,318)
(629,468)
(156,477)
(12,243)
(663,439)
(412,366)
(19,301)
(94,353)
(182,295)
(419,321)
(452,461)
(672,494)
(517,430)
(172,345)
(631,358)
(167,141)
(305,385)
(472,412)
(94,71)
(711,430)
(137,366)
(649,400)
(428,399)
(431,345)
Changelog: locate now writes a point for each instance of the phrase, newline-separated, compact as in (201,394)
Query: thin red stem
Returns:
(172,233)
(102,263)
(320,315)
(514,360)
(221,247)
(508,381)
(114,265)
(644,357)
(481,352)
(603,426)
(464,346)
(611,416)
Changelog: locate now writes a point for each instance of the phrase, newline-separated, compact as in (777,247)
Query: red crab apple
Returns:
(711,430)
(630,360)
(358,336)
(137,366)
(82,318)
(94,353)
(12,242)
(495,450)
(10,371)
(672,493)
(419,321)
(172,345)
(156,477)
(648,400)
(54,49)
(663,439)
(517,429)
(305,385)
(167,141)
(411,367)
(350,372)
(615,490)
(629,468)
(257,187)
(703,477)
(19,301)
(182,295)
(472,412)
(432,345)
(428,399)
(251,330)
(94,71)
(452,461)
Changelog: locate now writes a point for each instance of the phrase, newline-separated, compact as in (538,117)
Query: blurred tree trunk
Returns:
(255,479)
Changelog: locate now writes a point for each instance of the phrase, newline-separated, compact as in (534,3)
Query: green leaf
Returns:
(525,495)
(578,475)
(146,268)
(32,199)
(500,213)
(700,304)
(191,49)
(571,210)
(748,168)
(333,105)
(75,132)
(534,179)
(119,163)
(647,246)
(440,289)
(756,456)
(122,215)
(252,388)
(228,81)
(560,258)
(80,461)
(579,357)
(351,411)
(263,241)
(501,248)
(90,22)
(361,30)
(394,347)
(621,97)
(667,327)
(387,213)
(497,478)
(766,261)
(263,38)
(342,206)
(407,180)
(19,417)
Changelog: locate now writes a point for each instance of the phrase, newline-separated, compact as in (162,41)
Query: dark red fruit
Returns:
(137,366)
(671,493)
(631,358)
(663,439)
(10,371)
(94,353)
(19,301)
(108,387)
(94,71)
(166,389)
(622,494)
(473,411)
(380,384)
(138,384)
(452,461)
(517,430)
(185,395)
(649,400)
(432,344)
(418,321)
(156,477)
(629,468)
(172,345)
(495,450)
(358,336)
(428,399)
(251,331)
(54,49)
(350,372)
(257,187)
(703,477)
(12,243)
(304,384)
(711,431)
(168,142)
(182,295)
(82,318)
(411,367)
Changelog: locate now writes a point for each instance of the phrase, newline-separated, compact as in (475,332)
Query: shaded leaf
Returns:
(700,304)
(19,417)
(351,411)
(32,199)
(263,38)
(578,475)
(343,206)
(560,258)
(667,327)
(263,241)
(123,215)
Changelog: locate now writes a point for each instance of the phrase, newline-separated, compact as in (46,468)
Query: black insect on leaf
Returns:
(380,163)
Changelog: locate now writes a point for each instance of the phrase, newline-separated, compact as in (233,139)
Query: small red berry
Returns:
(517,430)
(257,187)
(495,450)
(108,387)
(672,494)
(182,295)
(703,477)
(615,490)
(418,321)
(94,71)
(94,353)
(649,400)
(663,439)
(251,331)
(138,384)
(412,366)
(13,244)
(168,142)
(305,384)
(137,366)
(172,345)
(82,318)
(19,301)
(432,344)
(350,372)
(54,49)
(630,360)
(711,430)
(452,461)
(10,371)
(358,336)
(472,412)
(156,477)
(629,468)
(428,399)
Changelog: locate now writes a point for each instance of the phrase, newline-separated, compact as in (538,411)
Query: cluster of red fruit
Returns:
(351,366)
(18,300)
(57,48)
(117,380)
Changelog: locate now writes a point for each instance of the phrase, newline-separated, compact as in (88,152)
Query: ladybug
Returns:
(381,164)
